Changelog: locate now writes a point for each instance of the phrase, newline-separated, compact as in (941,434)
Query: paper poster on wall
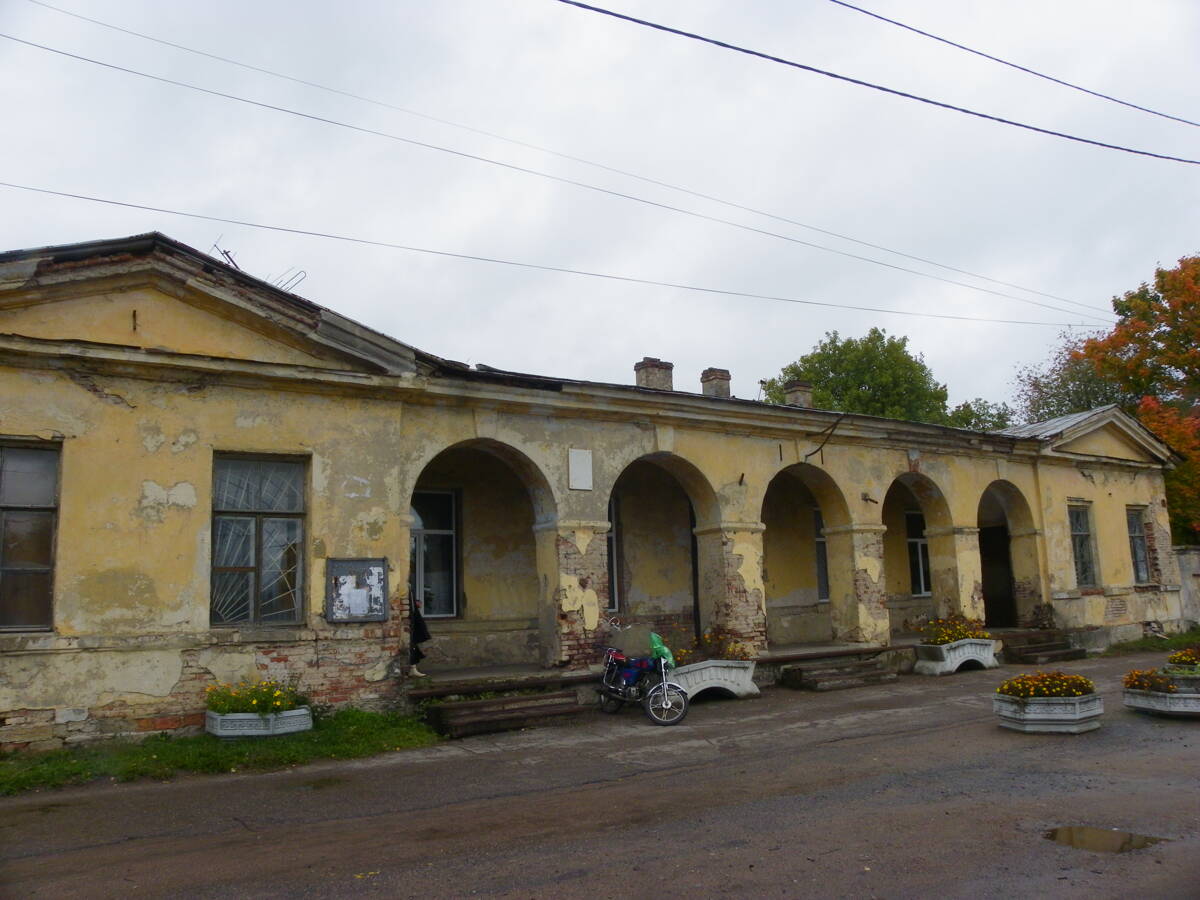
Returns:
(356,590)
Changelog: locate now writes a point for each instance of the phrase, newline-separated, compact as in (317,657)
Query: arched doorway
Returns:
(919,554)
(805,575)
(654,579)
(473,557)
(1007,555)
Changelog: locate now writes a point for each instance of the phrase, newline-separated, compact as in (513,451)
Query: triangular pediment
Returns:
(151,293)
(147,318)
(1107,441)
(1107,433)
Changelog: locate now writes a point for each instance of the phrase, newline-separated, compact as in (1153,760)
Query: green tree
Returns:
(874,375)
(1066,383)
(981,415)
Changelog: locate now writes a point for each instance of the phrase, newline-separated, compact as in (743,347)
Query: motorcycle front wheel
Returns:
(666,704)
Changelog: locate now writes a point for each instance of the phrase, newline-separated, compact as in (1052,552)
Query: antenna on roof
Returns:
(289,278)
(228,254)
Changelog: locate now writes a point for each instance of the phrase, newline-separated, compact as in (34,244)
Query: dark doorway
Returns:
(999,604)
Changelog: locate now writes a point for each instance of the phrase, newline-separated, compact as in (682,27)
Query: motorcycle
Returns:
(643,679)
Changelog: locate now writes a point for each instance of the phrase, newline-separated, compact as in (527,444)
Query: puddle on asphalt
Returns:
(1106,840)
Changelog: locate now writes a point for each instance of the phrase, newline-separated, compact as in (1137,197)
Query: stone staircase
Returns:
(834,674)
(460,718)
(1040,648)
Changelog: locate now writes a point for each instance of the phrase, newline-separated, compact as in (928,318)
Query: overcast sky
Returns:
(1058,217)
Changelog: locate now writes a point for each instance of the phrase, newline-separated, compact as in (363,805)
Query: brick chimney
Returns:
(654,373)
(715,383)
(797,393)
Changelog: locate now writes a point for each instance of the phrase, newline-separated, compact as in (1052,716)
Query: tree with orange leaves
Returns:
(1153,353)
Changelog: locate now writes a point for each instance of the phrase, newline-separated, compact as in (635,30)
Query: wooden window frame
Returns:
(1137,514)
(1093,559)
(301,589)
(55,448)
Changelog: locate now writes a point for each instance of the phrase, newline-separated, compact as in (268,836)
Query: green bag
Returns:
(659,650)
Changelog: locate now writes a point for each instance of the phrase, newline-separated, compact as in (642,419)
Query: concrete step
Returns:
(458,718)
(1043,646)
(1042,636)
(507,719)
(826,675)
(839,684)
(1051,656)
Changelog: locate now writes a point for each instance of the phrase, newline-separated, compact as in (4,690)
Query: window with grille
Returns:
(1081,545)
(258,541)
(28,514)
(1137,545)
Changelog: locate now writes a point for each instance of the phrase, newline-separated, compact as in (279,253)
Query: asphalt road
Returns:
(903,790)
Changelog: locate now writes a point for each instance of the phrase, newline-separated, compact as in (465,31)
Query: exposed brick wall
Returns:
(328,670)
(579,646)
(739,609)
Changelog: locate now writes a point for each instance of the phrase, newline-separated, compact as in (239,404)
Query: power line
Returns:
(875,87)
(627,279)
(1004,62)
(528,171)
(567,156)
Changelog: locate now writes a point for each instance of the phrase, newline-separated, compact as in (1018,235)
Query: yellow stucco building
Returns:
(204,477)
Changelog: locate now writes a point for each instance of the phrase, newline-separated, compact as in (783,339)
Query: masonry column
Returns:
(572,562)
(858,609)
(1023,554)
(732,598)
(957,571)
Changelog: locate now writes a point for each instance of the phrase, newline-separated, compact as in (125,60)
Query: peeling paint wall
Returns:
(132,647)
(795,612)
(498,624)
(656,545)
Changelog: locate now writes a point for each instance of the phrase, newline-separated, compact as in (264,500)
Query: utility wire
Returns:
(1003,62)
(567,156)
(627,279)
(557,178)
(875,87)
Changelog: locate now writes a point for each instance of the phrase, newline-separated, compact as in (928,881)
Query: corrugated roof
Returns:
(1052,427)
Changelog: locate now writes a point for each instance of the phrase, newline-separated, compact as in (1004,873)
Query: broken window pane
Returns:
(264,545)
(280,570)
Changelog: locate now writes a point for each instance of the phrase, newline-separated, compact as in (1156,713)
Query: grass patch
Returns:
(345,734)
(1154,644)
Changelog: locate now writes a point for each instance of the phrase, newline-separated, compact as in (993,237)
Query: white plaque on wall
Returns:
(579,470)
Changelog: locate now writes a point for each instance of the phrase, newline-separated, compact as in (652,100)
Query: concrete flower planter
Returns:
(945,659)
(733,675)
(1185,678)
(238,725)
(1049,715)
(1183,705)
